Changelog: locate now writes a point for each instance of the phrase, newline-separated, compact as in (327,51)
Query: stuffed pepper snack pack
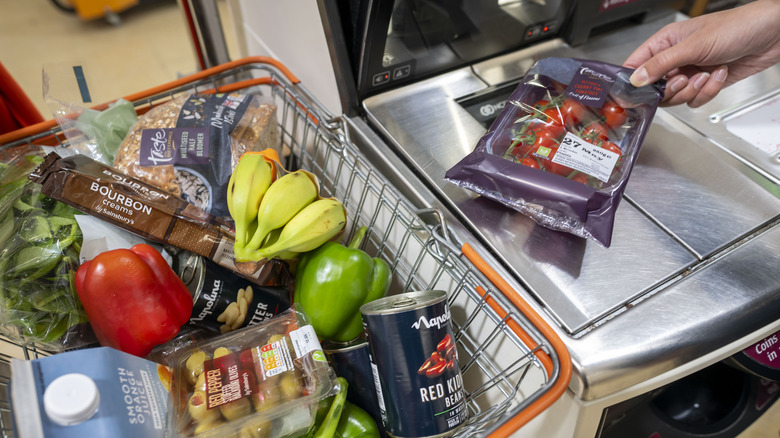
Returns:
(262,381)
(562,149)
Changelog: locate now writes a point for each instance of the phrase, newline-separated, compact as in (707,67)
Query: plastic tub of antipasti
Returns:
(261,381)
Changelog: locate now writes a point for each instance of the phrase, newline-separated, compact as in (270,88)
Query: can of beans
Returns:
(414,362)
(351,361)
(224,301)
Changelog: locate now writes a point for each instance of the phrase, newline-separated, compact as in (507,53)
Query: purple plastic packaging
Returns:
(578,175)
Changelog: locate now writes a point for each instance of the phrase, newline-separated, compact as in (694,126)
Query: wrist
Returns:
(770,7)
(769,10)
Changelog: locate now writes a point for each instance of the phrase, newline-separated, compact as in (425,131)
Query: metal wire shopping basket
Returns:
(514,365)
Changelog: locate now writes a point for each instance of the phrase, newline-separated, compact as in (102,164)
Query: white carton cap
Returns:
(71,399)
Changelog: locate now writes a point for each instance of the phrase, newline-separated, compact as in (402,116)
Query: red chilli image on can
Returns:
(442,359)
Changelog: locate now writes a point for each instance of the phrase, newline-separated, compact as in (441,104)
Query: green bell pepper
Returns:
(338,418)
(327,428)
(333,281)
(356,423)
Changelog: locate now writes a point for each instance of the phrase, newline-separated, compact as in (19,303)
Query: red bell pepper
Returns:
(133,299)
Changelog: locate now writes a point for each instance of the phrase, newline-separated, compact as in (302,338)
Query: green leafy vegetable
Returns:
(39,254)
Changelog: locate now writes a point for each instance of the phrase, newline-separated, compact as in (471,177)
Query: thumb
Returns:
(662,63)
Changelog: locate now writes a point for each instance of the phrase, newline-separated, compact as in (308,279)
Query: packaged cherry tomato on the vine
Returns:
(563,147)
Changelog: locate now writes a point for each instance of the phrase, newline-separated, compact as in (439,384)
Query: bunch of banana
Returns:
(249,181)
(282,217)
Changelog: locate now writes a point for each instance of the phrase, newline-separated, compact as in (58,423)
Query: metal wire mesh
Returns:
(501,373)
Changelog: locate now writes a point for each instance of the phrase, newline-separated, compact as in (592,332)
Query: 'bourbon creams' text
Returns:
(130,205)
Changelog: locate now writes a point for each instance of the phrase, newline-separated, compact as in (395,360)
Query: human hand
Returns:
(701,56)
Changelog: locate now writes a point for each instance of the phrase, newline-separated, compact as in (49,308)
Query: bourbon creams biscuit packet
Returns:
(101,191)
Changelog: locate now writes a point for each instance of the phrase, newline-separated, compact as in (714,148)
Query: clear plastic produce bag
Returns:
(95,133)
(39,256)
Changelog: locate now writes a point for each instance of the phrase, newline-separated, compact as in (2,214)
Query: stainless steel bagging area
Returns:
(691,279)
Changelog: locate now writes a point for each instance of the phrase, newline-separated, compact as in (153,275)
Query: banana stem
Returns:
(258,238)
(240,233)
(246,254)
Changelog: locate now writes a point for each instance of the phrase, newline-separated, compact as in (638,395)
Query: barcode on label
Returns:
(381,399)
(304,340)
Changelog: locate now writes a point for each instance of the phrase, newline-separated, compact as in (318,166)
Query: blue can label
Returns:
(352,361)
(414,361)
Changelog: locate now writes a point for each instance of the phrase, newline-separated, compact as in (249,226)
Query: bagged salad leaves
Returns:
(562,149)
(39,256)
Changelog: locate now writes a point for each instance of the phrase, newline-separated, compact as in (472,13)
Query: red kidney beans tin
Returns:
(414,361)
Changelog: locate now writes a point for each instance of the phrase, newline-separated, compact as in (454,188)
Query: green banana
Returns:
(250,180)
(284,199)
(317,223)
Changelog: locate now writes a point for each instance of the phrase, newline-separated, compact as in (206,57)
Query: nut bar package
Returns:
(131,204)
(563,147)
(190,145)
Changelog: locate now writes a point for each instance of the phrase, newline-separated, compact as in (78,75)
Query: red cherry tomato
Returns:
(580,178)
(558,169)
(608,145)
(522,148)
(554,116)
(555,168)
(614,114)
(573,111)
(595,131)
(545,141)
(519,150)
(550,130)
(530,162)
(541,103)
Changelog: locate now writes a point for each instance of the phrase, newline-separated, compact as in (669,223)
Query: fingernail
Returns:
(720,74)
(678,84)
(639,77)
(700,80)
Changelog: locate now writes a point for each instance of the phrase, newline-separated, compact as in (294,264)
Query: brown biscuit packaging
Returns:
(141,208)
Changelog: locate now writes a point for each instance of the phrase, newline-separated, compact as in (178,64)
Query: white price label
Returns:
(304,340)
(585,157)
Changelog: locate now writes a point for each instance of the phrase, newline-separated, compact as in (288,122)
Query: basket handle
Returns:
(203,74)
(564,371)
(562,382)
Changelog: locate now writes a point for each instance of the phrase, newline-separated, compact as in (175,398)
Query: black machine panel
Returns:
(393,42)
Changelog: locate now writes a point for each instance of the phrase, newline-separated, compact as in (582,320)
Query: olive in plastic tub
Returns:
(262,381)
